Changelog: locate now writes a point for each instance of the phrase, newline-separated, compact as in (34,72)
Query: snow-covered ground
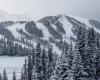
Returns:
(44,30)
(10,64)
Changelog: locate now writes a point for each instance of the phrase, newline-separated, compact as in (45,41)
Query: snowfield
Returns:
(10,64)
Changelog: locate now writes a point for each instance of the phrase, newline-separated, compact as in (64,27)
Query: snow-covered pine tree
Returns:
(0,77)
(64,68)
(5,77)
(81,42)
(50,64)
(14,75)
(24,74)
(98,57)
(78,65)
(38,62)
(61,68)
(34,74)
(44,65)
(91,54)
(33,57)
(29,68)
(50,55)
(70,57)
(56,61)
(79,57)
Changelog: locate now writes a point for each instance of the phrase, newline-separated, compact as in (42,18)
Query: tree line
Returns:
(10,48)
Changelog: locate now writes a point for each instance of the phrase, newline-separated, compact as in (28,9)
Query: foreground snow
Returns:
(11,64)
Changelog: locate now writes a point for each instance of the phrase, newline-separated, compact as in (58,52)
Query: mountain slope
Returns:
(50,31)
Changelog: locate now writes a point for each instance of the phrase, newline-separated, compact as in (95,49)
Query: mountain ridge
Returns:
(49,31)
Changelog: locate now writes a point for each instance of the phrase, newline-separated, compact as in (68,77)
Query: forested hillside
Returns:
(80,61)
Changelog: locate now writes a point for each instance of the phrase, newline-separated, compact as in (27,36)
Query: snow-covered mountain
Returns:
(50,30)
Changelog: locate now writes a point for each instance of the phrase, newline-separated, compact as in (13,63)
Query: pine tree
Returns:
(78,66)
(14,76)
(50,65)
(98,57)
(61,69)
(38,62)
(5,75)
(29,69)
(44,65)
(33,57)
(50,55)
(64,68)
(79,57)
(70,57)
(91,54)
(34,75)
(0,77)
(24,74)
(81,42)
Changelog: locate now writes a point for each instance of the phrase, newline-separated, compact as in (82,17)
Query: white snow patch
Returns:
(56,49)
(22,27)
(86,22)
(44,30)
(67,27)
(82,20)
(1,36)
(14,29)
(53,26)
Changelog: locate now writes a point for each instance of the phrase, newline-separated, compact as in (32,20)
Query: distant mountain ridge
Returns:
(4,16)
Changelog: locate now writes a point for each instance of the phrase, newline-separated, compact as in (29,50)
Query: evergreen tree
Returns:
(33,57)
(14,76)
(64,68)
(0,77)
(24,73)
(34,75)
(91,54)
(44,65)
(70,57)
(5,75)
(38,62)
(79,51)
(81,42)
(50,65)
(98,57)
(61,69)
(29,69)
(50,55)
(78,66)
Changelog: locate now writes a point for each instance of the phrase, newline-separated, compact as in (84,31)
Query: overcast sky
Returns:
(40,8)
